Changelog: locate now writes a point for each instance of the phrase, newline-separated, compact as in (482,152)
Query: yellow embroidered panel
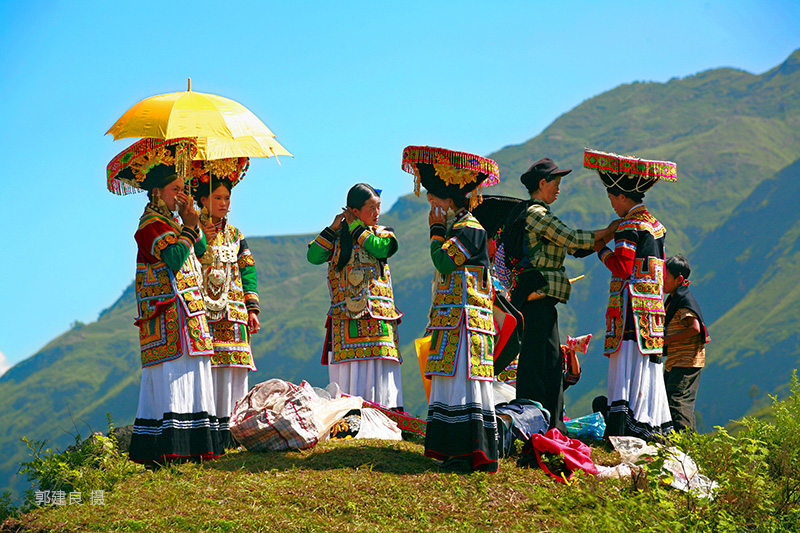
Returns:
(364,338)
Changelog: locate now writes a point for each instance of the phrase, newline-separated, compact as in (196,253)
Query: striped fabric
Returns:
(689,352)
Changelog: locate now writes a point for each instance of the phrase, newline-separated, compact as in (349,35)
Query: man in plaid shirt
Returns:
(539,371)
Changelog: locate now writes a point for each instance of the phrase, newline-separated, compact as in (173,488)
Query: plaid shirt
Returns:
(548,242)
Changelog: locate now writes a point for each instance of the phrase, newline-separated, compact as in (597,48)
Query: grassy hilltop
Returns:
(363,485)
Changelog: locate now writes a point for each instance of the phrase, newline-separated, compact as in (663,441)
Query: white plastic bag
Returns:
(682,470)
(376,425)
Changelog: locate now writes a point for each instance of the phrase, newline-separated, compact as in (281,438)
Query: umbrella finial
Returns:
(190,85)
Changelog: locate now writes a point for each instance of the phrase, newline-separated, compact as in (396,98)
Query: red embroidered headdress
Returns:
(629,173)
(447,173)
(150,163)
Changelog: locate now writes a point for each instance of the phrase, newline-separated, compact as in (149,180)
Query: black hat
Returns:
(150,163)
(542,169)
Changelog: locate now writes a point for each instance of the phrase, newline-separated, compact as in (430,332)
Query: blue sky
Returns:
(344,86)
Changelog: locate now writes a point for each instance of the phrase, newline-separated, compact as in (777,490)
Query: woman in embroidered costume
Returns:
(361,344)
(229,285)
(176,418)
(637,399)
(461,426)
(546,243)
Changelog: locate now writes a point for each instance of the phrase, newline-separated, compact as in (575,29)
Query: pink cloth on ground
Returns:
(576,454)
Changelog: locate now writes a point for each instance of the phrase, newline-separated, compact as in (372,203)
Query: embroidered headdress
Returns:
(150,163)
(447,173)
(231,169)
(629,173)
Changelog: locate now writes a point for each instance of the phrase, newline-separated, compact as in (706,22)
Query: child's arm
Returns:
(693,328)
(572,367)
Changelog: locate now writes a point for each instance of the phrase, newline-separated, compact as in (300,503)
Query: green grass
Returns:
(370,485)
(360,485)
(337,486)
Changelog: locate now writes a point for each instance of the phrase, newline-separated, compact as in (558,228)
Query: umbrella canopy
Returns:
(209,148)
(188,114)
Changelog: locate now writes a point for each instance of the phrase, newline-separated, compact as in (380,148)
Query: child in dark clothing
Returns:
(684,343)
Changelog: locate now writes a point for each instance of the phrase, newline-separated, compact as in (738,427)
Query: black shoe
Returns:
(457,465)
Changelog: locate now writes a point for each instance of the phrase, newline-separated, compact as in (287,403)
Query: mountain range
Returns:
(733,212)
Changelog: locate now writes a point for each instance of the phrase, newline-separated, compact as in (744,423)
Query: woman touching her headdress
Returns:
(461,428)
(361,342)
(176,418)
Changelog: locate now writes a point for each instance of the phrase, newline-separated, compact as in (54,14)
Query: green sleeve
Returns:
(201,246)
(247,265)
(249,281)
(439,256)
(247,270)
(176,254)
(441,259)
(382,247)
(320,249)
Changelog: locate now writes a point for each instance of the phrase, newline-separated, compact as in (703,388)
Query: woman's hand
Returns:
(612,227)
(210,231)
(603,236)
(337,222)
(437,216)
(253,324)
(349,216)
(186,210)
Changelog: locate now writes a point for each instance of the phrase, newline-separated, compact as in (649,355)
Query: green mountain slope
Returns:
(729,131)
(750,290)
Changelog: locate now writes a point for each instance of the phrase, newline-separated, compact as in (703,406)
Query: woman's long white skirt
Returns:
(177,416)
(375,380)
(230,386)
(461,418)
(637,396)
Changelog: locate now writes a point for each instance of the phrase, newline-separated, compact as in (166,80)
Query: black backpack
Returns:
(512,236)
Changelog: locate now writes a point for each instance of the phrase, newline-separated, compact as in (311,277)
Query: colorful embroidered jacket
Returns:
(637,282)
(229,276)
(463,293)
(362,318)
(364,285)
(230,293)
(172,316)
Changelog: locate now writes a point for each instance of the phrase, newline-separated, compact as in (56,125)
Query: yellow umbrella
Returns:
(189,114)
(209,148)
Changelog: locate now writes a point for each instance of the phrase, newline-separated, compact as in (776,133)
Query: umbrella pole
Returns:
(210,196)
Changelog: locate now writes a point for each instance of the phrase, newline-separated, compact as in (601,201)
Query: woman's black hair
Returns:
(460,202)
(633,195)
(357,196)
(203,189)
(678,265)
